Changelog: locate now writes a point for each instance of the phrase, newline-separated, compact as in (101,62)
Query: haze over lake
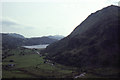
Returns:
(37,46)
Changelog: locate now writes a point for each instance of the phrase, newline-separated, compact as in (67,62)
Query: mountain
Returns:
(39,40)
(16,35)
(93,43)
(10,42)
(58,37)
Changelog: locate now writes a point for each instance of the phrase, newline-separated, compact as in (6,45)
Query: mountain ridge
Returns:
(111,8)
(11,41)
(16,35)
(97,36)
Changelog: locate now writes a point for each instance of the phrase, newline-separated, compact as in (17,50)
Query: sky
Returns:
(36,18)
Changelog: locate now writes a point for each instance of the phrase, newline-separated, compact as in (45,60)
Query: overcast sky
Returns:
(47,17)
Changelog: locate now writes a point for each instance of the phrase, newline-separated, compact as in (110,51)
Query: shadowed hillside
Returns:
(93,43)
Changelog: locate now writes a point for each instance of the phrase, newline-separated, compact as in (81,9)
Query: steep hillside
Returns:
(93,43)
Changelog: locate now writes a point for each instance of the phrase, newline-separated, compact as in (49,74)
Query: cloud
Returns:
(11,23)
(8,23)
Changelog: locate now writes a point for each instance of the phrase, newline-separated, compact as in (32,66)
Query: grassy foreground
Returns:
(31,65)
(26,63)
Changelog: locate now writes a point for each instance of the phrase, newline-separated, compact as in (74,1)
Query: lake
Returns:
(36,46)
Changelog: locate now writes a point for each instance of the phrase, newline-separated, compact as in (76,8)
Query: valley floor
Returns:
(29,63)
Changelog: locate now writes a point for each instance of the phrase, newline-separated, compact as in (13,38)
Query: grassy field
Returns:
(29,64)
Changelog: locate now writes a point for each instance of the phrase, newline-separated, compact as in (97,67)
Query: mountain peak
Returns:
(111,7)
(110,12)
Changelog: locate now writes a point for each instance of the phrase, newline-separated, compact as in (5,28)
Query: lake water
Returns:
(37,46)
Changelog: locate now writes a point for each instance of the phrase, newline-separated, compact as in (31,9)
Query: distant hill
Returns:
(16,35)
(58,37)
(39,40)
(9,41)
(93,43)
